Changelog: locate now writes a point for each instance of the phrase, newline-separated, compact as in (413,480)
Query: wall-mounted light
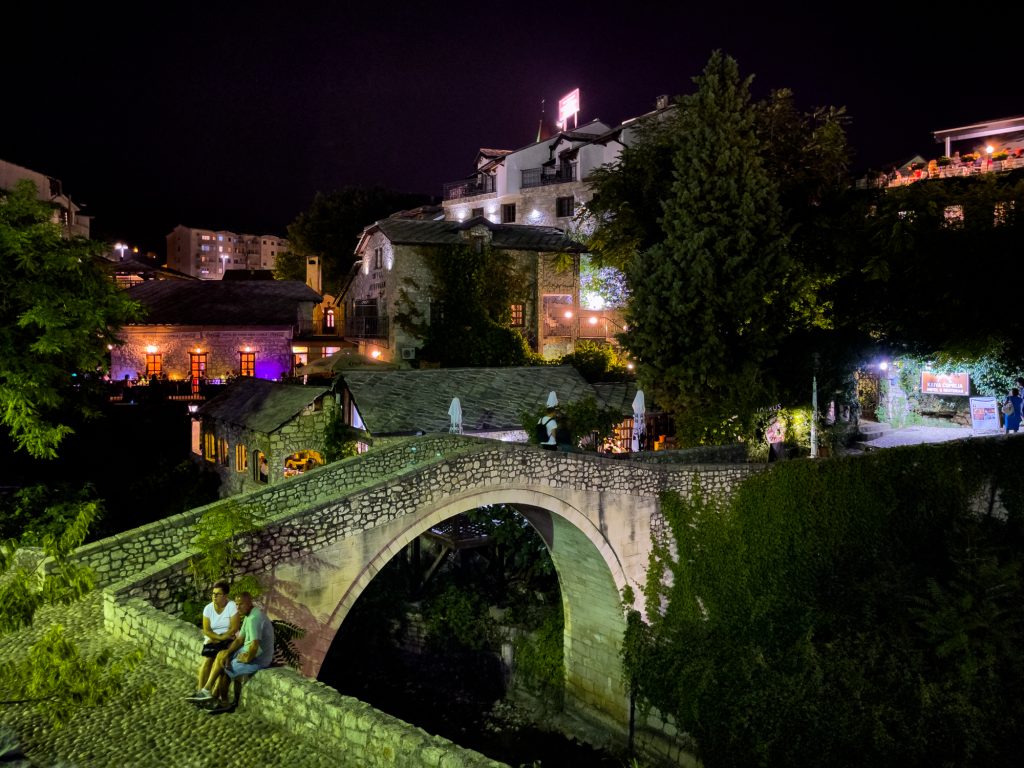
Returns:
(193,408)
(151,349)
(198,350)
(629,366)
(110,347)
(593,320)
(990,149)
(568,314)
(375,354)
(247,349)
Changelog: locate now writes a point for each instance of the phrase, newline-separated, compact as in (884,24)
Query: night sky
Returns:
(232,115)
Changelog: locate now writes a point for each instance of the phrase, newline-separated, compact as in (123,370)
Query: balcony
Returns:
(369,327)
(541,177)
(476,185)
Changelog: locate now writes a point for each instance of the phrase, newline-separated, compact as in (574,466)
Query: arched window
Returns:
(329,318)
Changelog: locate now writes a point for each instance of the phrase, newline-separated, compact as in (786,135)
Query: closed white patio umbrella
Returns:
(639,416)
(455,414)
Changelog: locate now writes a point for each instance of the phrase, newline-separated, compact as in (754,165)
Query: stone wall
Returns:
(306,432)
(309,709)
(221,345)
(131,552)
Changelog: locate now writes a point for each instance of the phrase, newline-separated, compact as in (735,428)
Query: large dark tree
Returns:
(723,213)
(711,301)
(332,225)
(59,311)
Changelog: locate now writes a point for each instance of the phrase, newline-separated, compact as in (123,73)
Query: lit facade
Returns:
(391,272)
(49,190)
(208,254)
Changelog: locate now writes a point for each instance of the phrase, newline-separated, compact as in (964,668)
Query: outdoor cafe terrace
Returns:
(969,164)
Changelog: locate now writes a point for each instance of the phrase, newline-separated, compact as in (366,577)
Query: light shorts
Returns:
(241,667)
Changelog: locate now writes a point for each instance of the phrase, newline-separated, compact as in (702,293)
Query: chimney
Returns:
(313,274)
(661,102)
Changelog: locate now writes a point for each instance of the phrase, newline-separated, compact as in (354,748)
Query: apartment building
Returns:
(208,254)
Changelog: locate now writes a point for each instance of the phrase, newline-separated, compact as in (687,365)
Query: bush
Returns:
(863,606)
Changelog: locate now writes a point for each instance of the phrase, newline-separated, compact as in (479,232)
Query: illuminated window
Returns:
(378,257)
(154,364)
(564,206)
(329,318)
(300,355)
(246,363)
(260,468)
(508,213)
(476,212)
(196,369)
(241,458)
(953,215)
(209,447)
(1002,212)
(517,315)
(222,451)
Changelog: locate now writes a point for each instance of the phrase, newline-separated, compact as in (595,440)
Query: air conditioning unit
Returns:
(408,353)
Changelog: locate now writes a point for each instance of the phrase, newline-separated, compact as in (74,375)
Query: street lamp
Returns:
(122,247)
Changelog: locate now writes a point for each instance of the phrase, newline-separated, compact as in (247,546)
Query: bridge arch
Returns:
(590,577)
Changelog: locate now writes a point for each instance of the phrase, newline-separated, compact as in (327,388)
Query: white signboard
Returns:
(985,413)
(568,106)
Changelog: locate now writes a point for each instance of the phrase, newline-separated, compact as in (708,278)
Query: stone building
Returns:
(259,432)
(391,273)
(51,191)
(215,330)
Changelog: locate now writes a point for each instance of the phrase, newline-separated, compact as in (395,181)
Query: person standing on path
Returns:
(549,425)
(1012,411)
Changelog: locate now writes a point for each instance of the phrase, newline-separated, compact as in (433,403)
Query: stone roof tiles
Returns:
(521,237)
(261,405)
(218,302)
(492,399)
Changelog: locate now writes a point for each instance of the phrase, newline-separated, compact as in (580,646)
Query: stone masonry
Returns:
(328,532)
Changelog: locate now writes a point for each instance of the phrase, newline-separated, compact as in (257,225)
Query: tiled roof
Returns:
(616,394)
(215,302)
(521,237)
(492,399)
(260,405)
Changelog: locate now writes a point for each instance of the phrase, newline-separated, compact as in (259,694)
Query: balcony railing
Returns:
(370,327)
(477,185)
(953,170)
(539,177)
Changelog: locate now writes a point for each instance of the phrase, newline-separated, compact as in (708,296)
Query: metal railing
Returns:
(476,185)
(370,327)
(539,177)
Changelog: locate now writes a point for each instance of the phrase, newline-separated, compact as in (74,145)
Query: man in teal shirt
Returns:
(251,651)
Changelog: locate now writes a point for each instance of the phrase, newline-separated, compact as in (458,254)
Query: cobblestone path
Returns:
(161,730)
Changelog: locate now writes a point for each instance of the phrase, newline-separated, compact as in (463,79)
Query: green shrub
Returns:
(863,606)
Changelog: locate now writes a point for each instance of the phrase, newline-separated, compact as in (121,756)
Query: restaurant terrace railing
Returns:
(950,170)
(476,185)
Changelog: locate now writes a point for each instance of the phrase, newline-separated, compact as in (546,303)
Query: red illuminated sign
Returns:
(957,384)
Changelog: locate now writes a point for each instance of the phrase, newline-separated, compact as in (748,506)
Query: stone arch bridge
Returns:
(330,531)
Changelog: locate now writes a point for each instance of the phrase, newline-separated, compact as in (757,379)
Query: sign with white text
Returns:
(956,384)
(568,106)
(985,413)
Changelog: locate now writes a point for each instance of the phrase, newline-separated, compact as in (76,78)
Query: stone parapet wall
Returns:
(132,551)
(307,708)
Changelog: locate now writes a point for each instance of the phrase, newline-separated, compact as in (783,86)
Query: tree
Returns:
(59,313)
(706,306)
(331,227)
(723,213)
(471,292)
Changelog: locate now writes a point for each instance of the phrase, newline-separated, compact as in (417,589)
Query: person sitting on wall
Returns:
(221,621)
(250,652)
